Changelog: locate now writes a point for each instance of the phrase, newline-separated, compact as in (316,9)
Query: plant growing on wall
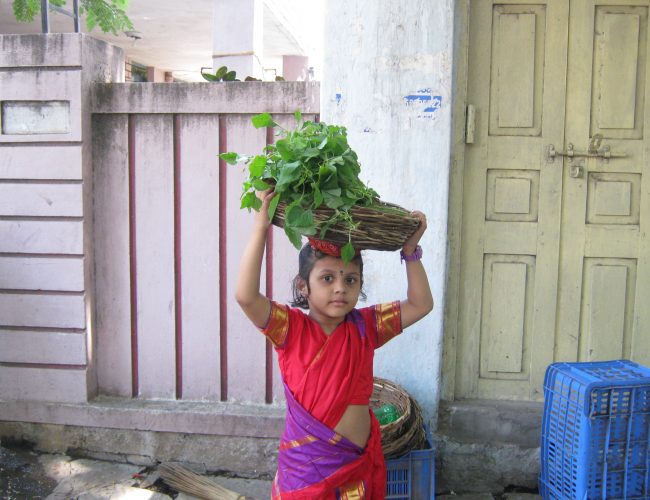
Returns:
(221,75)
(109,15)
(309,167)
(224,75)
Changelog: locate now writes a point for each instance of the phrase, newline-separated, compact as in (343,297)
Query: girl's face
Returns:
(333,290)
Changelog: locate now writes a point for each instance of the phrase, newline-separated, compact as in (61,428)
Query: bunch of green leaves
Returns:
(221,75)
(109,15)
(225,75)
(309,167)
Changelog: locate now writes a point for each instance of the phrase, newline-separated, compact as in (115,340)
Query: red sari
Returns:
(324,374)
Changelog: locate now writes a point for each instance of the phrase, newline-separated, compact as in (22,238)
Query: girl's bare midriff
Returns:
(355,424)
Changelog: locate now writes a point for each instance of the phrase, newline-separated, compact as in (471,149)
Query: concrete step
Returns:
(486,445)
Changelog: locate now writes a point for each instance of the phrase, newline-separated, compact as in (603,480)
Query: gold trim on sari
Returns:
(285,445)
(352,491)
(389,321)
(277,326)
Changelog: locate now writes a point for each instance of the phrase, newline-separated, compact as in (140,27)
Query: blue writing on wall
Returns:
(425,102)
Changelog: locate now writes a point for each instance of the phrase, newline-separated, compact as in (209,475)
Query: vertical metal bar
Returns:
(269,293)
(45,16)
(178,277)
(133,260)
(77,20)
(223,262)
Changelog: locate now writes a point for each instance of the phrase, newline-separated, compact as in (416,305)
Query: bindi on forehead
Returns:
(342,272)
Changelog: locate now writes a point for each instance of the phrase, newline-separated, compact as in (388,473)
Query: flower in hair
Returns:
(327,247)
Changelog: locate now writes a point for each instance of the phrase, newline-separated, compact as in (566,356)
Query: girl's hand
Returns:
(262,217)
(412,242)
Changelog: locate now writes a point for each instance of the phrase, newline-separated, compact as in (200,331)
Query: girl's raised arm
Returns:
(247,293)
(419,301)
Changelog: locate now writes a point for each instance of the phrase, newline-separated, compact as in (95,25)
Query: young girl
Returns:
(331,445)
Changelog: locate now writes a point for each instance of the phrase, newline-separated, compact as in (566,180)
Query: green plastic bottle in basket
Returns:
(386,413)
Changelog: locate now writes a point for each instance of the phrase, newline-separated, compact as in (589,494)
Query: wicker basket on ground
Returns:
(381,227)
(407,432)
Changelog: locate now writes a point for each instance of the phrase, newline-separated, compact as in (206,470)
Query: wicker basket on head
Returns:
(383,226)
(407,432)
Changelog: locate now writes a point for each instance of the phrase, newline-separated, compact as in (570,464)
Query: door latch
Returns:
(594,151)
(577,171)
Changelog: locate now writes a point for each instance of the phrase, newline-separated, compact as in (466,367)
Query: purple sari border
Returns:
(310,452)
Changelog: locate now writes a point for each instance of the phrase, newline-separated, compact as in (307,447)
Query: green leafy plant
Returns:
(224,75)
(309,167)
(221,75)
(109,15)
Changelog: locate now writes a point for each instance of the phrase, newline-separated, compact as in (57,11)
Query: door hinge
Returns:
(470,124)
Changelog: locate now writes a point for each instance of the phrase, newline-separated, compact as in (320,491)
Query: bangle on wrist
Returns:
(416,255)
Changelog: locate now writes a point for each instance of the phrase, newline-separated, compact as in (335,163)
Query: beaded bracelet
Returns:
(416,255)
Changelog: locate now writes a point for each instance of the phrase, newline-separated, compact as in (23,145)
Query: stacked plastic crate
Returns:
(596,431)
(412,476)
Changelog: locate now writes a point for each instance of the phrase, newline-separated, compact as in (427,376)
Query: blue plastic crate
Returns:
(412,476)
(596,431)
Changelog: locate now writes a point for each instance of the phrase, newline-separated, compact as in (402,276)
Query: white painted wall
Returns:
(385,65)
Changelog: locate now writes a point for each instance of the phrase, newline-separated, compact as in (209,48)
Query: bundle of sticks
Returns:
(182,479)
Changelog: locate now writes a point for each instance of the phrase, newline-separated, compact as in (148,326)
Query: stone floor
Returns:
(25,474)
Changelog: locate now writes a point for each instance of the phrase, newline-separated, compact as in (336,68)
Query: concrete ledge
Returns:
(464,467)
(244,457)
(221,97)
(492,421)
(42,50)
(487,445)
(211,418)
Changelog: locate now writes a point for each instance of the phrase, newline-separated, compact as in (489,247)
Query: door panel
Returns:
(607,307)
(554,251)
(508,286)
(516,97)
(618,71)
(605,254)
(511,210)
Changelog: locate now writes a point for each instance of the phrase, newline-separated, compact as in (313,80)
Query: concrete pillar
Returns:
(155,75)
(237,37)
(47,345)
(295,68)
(380,58)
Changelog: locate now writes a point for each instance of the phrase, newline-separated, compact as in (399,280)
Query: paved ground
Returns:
(25,474)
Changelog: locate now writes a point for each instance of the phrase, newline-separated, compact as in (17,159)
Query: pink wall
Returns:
(46,258)
(120,239)
(169,233)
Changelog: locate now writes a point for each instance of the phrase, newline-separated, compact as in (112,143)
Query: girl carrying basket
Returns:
(331,445)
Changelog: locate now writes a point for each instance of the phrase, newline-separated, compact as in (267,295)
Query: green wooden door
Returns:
(604,274)
(554,257)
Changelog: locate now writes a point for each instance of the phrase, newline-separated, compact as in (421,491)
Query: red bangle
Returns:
(416,255)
